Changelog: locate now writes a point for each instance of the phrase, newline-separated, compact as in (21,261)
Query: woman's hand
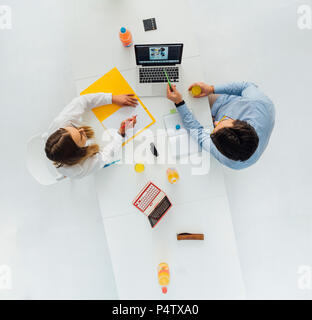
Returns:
(205,89)
(125,100)
(127,124)
(174,95)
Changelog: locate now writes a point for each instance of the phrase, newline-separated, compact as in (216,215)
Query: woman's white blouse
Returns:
(72,113)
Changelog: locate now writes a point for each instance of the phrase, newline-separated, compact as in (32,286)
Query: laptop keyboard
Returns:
(159,211)
(149,75)
(147,197)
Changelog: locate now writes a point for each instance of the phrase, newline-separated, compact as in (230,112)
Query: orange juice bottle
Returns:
(125,37)
(172,175)
(163,276)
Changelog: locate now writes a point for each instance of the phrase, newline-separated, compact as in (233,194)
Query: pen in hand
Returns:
(127,124)
(168,80)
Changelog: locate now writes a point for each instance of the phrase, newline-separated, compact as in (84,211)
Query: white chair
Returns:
(39,166)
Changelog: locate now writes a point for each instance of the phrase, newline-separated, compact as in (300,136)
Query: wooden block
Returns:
(190,236)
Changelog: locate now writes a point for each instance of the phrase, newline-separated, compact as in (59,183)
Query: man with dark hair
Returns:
(243,121)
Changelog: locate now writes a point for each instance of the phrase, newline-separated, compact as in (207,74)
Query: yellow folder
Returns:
(113,82)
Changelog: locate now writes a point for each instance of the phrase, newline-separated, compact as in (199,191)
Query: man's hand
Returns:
(127,124)
(175,96)
(125,100)
(205,89)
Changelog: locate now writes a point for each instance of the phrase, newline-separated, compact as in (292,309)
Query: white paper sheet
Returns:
(114,121)
(180,142)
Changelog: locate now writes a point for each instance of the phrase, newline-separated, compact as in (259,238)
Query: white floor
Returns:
(53,238)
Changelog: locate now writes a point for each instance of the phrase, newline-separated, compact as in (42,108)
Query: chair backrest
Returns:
(39,166)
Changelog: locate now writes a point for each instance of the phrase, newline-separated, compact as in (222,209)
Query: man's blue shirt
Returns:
(237,100)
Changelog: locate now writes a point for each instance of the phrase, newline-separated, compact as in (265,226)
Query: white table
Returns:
(206,269)
(94,43)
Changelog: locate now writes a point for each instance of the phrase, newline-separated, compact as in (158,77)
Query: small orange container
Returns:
(172,175)
(163,276)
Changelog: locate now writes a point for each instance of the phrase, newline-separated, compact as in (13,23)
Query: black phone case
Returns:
(149,24)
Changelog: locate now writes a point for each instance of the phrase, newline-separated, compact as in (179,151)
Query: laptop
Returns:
(152,60)
(153,202)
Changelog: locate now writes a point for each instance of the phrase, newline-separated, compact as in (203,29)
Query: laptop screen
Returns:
(159,211)
(158,54)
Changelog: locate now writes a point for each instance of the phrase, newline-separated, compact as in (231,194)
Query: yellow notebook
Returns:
(112,115)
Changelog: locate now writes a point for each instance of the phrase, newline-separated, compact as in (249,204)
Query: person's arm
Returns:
(194,127)
(196,130)
(78,106)
(232,88)
(244,89)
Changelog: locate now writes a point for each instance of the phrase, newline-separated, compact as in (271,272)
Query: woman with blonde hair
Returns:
(70,145)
